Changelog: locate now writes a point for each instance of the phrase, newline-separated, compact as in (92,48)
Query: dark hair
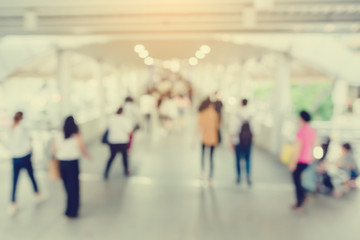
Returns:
(129,99)
(218,106)
(244,102)
(305,116)
(347,146)
(205,104)
(70,127)
(18,116)
(120,110)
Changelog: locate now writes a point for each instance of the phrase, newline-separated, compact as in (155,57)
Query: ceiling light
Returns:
(149,61)
(144,54)
(205,49)
(193,61)
(139,48)
(199,54)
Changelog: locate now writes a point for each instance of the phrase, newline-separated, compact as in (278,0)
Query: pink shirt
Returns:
(307,136)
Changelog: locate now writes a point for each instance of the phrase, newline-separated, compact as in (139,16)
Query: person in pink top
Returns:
(303,156)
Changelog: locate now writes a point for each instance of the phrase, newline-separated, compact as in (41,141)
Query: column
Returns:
(101,91)
(281,106)
(340,97)
(64,82)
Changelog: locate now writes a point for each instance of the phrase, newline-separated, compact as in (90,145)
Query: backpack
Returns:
(245,135)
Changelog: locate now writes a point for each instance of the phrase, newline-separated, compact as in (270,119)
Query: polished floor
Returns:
(164,199)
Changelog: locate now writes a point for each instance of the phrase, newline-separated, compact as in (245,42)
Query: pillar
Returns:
(101,88)
(64,82)
(281,105)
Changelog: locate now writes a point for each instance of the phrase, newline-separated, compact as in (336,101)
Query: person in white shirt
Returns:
(241,138)
(68,148)
(19,144)
(120,128)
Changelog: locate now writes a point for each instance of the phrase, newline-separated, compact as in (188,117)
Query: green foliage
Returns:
(304,97)
(263,91)
(307,96)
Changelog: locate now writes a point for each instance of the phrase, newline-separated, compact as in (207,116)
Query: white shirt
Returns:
(67,149)
(120,127)
(242,115)
(19,142)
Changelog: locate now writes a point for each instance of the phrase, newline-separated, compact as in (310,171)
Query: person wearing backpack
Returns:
(241,137)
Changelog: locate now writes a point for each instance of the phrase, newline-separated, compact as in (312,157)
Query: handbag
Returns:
(54,169)
(104,139)
(287,154)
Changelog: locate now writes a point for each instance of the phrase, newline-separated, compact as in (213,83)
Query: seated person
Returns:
(347,162)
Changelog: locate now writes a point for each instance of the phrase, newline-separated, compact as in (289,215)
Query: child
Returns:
(348,163)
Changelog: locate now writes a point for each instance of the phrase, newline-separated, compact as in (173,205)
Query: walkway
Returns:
(164,199)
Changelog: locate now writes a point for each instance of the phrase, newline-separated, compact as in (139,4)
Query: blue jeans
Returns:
(242,152)
(18,164)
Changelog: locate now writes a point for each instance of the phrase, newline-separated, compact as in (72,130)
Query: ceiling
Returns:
(316,32)
(221,52)
(129,17)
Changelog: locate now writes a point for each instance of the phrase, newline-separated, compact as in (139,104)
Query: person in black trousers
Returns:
(68,147)
(120,128)
(114,150)
(303,156)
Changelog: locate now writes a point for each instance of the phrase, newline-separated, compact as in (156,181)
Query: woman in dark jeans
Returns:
(20,149)
(68,147)
(207,127)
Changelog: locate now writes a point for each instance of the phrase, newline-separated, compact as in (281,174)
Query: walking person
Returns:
(120,128)
(303,156)
(19,144)
(68,148)
(348,163)
(208,126)
(241,138)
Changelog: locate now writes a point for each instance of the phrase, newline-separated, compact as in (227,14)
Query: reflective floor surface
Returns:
(165,199)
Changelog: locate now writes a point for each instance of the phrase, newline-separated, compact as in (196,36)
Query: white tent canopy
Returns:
(327,53)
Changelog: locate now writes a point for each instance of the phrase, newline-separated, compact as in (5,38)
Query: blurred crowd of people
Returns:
(166,104)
